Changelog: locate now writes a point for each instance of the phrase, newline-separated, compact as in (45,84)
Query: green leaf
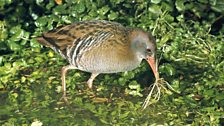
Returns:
(219,96)
(60,9)
(80,7)
(156,9)
(165,38)
(34,43)
(41,22)
(134,85)
(203,1)
(169,18)
(1,60)
(39,2)
(13,46)
(112,16)
(5,2)
(3,31)
(121,81)
(103,10)
(155,1)
(168,69)
(180,5)
(50,4)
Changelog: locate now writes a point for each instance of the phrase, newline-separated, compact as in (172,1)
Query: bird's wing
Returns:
(86,43)
(71,39)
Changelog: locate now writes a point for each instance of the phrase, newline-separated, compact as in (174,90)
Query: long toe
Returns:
(64,99)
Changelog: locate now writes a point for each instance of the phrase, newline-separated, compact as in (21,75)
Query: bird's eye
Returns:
(148,50)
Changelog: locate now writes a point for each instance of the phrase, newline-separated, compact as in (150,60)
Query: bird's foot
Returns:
(64,99)
(101,100)
(84,89)
(97,99)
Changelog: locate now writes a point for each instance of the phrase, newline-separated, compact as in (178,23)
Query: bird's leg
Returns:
(91,79)
(63,74)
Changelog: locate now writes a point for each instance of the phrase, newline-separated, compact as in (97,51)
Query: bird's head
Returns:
(144,45)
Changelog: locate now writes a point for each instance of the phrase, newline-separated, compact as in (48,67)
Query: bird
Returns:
(99,47)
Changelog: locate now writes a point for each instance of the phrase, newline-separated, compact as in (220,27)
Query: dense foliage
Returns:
(190,42)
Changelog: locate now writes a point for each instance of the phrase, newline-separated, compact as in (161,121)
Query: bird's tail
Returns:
(43,41)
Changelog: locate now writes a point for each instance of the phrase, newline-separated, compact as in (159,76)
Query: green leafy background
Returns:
(190,42)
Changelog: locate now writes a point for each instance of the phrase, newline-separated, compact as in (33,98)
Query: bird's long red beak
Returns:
(152,62)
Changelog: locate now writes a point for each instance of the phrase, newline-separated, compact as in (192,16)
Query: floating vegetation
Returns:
(155,91)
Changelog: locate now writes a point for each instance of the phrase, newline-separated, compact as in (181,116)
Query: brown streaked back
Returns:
(69,36)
